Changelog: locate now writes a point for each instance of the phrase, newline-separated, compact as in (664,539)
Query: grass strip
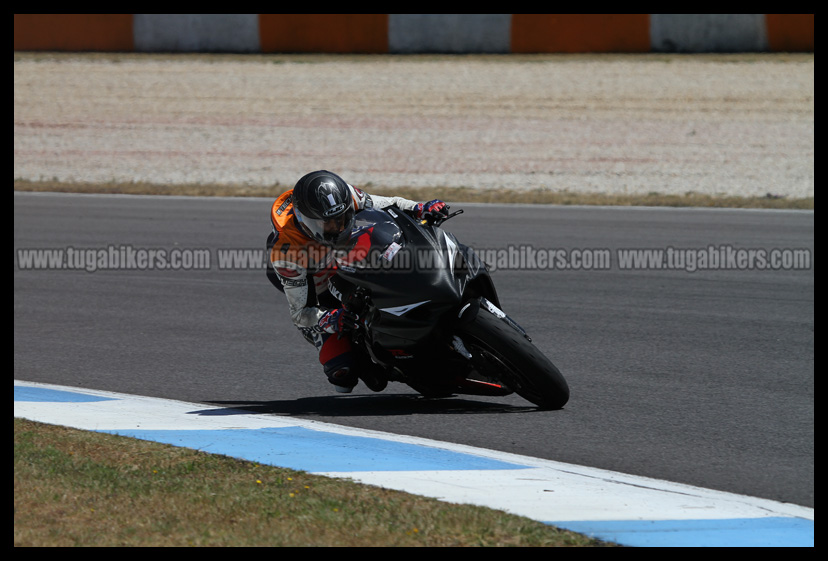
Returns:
(80,488)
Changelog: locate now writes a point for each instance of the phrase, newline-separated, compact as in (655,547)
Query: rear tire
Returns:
(506,354)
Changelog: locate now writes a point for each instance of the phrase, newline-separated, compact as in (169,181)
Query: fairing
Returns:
(418,276)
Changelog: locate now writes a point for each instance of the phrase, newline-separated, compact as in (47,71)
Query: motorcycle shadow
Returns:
(368,405)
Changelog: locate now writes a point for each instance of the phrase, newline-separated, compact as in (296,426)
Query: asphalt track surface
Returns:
(704,377)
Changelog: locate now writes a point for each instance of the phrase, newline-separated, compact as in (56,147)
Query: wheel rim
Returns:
(499,371)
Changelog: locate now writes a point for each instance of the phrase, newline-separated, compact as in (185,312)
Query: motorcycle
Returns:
(430,317)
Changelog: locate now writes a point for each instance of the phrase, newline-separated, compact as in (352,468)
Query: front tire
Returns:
(502,352)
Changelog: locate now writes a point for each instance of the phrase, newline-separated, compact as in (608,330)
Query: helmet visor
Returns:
(329,231)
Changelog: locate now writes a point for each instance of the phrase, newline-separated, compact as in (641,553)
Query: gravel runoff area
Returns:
(628,124)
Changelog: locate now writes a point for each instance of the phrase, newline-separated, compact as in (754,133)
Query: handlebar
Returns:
(441,220)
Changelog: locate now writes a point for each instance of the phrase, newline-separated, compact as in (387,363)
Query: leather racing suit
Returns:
(301,268)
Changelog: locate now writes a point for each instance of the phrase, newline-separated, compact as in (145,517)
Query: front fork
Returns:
(468,312)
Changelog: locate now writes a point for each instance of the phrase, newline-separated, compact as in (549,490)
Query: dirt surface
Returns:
(672,124)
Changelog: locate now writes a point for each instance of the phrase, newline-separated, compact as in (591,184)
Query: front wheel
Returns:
(501,352)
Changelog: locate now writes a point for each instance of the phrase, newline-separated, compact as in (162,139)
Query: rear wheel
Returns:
(499,351)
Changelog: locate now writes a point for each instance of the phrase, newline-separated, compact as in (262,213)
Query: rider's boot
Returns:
(343,380)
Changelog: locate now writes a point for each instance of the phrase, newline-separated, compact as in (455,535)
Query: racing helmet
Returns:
(324,207)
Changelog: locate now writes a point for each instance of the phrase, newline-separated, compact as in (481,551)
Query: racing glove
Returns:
(431,211)
(338,321)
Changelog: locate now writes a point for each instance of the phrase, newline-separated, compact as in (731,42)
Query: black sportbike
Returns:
(430,317)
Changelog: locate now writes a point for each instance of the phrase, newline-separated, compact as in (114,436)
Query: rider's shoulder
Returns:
(361,198)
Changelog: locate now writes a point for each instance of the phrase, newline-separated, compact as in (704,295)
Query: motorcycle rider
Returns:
(308,223)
